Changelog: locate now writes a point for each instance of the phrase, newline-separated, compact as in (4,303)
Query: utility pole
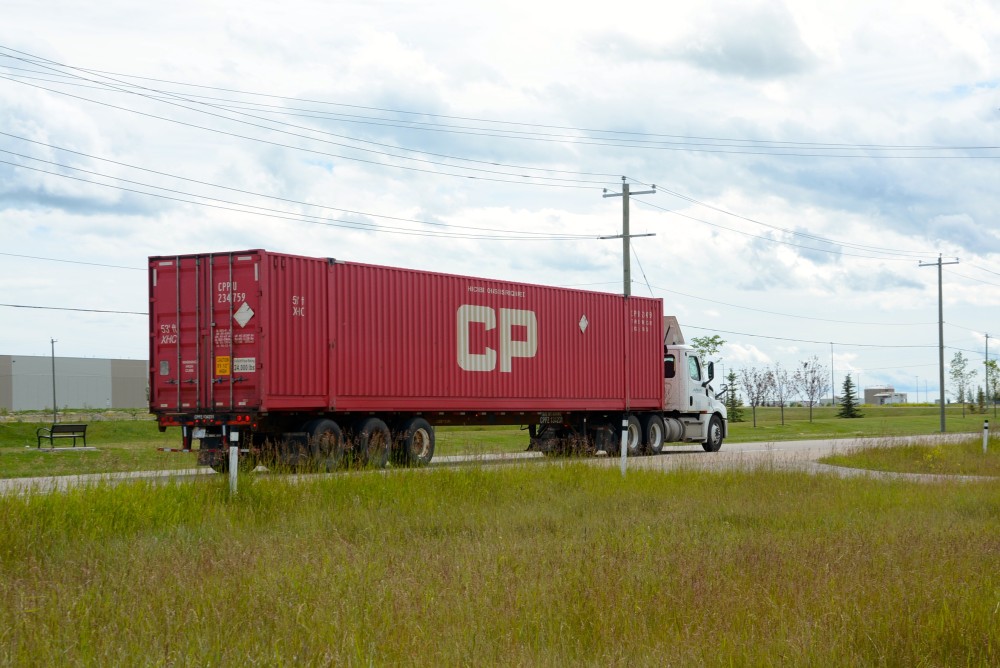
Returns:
(627,265)
(986,364)
(833,381)
(939,264)
(625,235)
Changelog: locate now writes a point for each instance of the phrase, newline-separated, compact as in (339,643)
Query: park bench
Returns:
(73,431)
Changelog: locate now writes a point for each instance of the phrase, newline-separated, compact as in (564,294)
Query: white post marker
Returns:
(234,458)
(624,443)
(986,434)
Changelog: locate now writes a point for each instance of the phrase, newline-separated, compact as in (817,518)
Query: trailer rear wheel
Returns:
(714,440)
(212,453)
(371,443)
(652,429)
(326,445)
(602,434)
(416,443)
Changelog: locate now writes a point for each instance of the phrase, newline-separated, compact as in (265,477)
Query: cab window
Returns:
(668,366)
(694,369)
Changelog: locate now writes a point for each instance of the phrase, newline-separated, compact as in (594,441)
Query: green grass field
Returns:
(878,421)
(513,565)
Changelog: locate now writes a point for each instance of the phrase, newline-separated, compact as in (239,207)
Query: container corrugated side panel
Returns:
(397,337)
(645,331)
(294,332)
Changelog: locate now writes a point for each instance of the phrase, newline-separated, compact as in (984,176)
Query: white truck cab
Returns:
(691,411)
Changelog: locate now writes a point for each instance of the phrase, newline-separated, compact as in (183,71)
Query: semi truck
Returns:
(316,363)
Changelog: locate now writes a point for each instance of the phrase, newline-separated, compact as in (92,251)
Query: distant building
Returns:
(881,395)
(26,383)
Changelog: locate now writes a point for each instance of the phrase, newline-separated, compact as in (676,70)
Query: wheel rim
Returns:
(716,432)
(633,438)
(421,443)
(655,436)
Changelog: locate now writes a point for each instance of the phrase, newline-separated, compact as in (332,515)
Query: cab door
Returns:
(697,381)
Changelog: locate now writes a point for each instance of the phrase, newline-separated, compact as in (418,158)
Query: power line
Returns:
(295,134)
(273,109)
(988,271)
(305,218)
(743,143)
(790,315)
(773,240)
(316,152)
(878,249)
(92,264)
(978,280)
(81,310)
(824,343)
(242,191)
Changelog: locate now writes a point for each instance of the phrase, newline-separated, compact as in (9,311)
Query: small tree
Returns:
(734,407)
(757,386)
(811,381)
(992,378)
(981,399)
(782,387)
(961,378)
(707,347)
(849,401)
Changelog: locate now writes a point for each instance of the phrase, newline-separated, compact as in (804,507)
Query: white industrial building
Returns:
(26,383)
(881,395)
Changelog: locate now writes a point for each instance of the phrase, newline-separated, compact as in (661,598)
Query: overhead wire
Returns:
(80,310)
(317,152)
(815,237)
(771,239)
(824,343)
(248,192)
(687,198)
(277,214)
(494,163)
(633,143)
(557,181)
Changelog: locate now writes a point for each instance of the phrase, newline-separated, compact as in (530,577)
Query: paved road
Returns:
(801,455)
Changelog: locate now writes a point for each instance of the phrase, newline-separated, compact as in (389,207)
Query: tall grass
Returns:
(964,457)
(551,565)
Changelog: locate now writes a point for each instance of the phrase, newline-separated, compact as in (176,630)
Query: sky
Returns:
(812,161)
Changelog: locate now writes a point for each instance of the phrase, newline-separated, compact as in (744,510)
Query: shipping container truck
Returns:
(316,362)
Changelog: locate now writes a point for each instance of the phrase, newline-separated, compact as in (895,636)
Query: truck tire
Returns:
(212,453)
(653,430)
(634,439)
(372,441)
(602,435)
(326,445)
(415,443)
(714,440)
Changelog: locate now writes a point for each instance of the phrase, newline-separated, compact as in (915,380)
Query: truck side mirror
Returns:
(711,370)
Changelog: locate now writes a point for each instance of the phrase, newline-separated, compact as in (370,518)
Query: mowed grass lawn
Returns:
(877,421)
(131,445)
(516,565)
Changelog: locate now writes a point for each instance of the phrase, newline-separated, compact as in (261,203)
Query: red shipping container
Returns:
(258,331)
